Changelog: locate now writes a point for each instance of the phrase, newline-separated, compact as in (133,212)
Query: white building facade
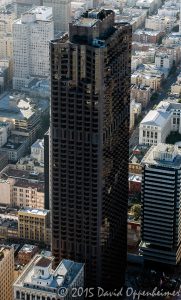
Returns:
(164,60)
(4,132)
(135,111)
(39,281)
(31,36)
(61,13)
(37,151)
(158,123)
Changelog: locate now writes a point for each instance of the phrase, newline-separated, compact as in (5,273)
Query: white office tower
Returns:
(31,36)
(39,281)
(91,4)
(7,18)
(5,2)
(161,207)
(61,13)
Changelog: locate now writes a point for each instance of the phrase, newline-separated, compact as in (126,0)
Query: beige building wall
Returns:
(28,197)
(176,88)
(147,79)
(6,272)
(33,225)
(6,188)
(6,40)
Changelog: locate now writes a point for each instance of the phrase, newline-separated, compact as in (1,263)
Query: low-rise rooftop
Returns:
(22,175)
(39,274)
(33,185)
(164,155)
(19,106)
(33,211)
(27,248)
(11,146)
(156,118)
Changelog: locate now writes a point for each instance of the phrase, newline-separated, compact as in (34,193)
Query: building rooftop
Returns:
(36,14)
(8,222)
(141,87)
(87,22)
(4,251)
(138,153)
(33,211)
(19,106)
(27,248)
(43,262)
(40,276)
(38,144)
(28,184)
(135,178)
(169,105)
(11,146)
(22,175)
(163,155)
(148,32)
(156,118)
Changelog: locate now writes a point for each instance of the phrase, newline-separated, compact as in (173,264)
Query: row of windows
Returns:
(150,134)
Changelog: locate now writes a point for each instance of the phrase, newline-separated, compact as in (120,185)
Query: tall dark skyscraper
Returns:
(46,168)
(89,138)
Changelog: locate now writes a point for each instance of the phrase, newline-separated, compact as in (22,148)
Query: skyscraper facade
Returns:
(46,168)
(61,13)
(161,227)
(31,36)
(89,138)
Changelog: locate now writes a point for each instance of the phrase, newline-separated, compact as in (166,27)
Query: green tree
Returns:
(136,210)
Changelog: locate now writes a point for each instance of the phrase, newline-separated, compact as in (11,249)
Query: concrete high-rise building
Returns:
(5,2)
(39,281)
(22,6)
(61,13)
(31,36)
(6,272)
(90,4)
(161,220)
(89,141)
(7,18)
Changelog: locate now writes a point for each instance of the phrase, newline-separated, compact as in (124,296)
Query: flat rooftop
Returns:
(33,211)
(163,155)
(43,262)
(156,118)
(38,144)
(19,106)
(22,175)
(37,13)
(64,275)
(27,248)
(33,185)
(11,146)
(135,178)
(86,22)
(148,32)
(9,223)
